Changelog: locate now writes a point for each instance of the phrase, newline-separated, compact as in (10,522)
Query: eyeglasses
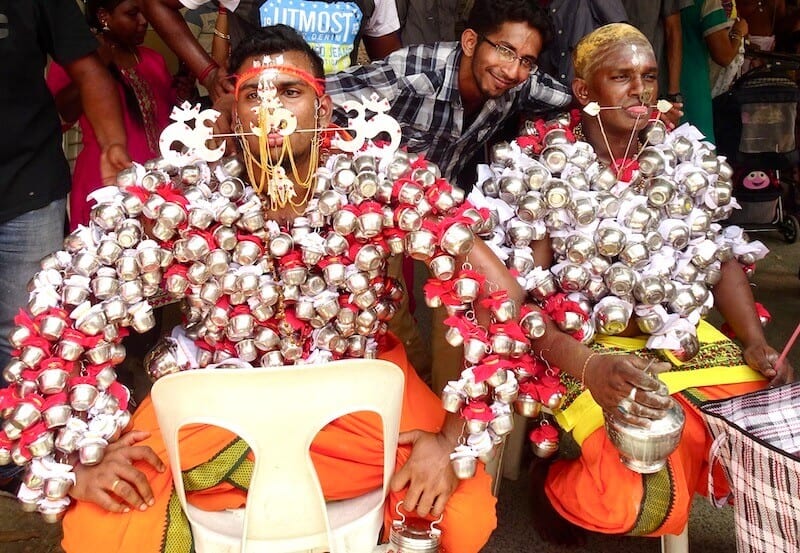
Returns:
(510,56)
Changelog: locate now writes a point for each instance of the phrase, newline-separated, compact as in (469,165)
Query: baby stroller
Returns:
(755,127)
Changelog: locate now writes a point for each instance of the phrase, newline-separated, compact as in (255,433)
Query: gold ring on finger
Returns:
(114,485)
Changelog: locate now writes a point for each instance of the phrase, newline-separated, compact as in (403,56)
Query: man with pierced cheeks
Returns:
(126,502)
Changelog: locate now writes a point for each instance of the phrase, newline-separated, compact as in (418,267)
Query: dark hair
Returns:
(487,16)
(93,6)
(131,102)
(274,39)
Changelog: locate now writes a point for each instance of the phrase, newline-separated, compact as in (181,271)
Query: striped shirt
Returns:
(421,84)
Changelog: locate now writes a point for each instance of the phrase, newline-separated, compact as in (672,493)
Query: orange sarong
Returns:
(348,456)
(597,492)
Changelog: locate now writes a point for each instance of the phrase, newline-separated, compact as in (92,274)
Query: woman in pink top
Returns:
(145,89)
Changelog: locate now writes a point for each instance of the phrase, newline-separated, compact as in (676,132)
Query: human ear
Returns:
(324,107)
(580,89)
(103,16)
(469,42)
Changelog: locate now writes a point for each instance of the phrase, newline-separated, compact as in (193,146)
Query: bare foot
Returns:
(550,525)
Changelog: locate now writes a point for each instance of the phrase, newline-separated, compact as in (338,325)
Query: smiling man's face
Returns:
(493,75)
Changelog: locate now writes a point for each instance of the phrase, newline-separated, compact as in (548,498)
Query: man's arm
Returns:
(382,30)
(723,44)
(101,105)
(674,41)
(378,47)
(428,473)
(544,93)
(166,19)
(734,300)
(360,82)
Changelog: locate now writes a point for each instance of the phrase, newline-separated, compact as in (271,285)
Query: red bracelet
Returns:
(205,72)
(222,10)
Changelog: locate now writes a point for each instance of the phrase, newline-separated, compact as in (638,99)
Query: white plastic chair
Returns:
(676,544)
(278,411)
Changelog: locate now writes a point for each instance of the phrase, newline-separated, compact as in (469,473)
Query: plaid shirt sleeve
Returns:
(543,93)
(361,81)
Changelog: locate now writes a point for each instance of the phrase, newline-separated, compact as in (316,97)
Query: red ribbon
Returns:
(477,410)
(462,324)
(73,335)
(557,306)
(495,299)
(550,384)
(369,207)
(442,290)
(206,235)
(142,193)
(489,366)
(29,436)
(404,181)
(23,318)
(291,260)
(52,312)
(172,195)
(510,329)
(176,269)
(57,363)
(420,162)
(325,261)
(546,432)
(241,309)
(250,238)
(625,168)
(8,398)
(37,342)
(53,400)
(121,393)
(529,388)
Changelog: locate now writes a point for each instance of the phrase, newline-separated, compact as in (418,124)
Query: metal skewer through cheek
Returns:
(311,130)
(593,109)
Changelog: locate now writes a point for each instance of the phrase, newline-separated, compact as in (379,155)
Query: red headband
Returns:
(316,83)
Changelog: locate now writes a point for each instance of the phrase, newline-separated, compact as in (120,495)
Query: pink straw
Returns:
(787,347)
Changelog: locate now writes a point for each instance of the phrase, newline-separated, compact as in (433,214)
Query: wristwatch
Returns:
(675,98)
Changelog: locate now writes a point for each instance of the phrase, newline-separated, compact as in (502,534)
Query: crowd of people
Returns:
(530,153)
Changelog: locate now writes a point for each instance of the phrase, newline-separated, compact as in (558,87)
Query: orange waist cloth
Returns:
(348,456)
(597,492)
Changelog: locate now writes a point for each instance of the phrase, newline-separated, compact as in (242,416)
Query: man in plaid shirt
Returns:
(449,97)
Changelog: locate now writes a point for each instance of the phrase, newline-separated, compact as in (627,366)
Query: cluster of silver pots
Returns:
(201,235)
(502,377)
(654,244)
(327,270)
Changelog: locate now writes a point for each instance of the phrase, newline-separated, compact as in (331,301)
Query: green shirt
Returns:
(699,21)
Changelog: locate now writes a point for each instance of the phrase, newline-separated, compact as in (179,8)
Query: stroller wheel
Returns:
(789,229)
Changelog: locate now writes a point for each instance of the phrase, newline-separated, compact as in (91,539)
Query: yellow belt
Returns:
(584,416)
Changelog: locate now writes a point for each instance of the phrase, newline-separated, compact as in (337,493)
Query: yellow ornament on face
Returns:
(273,181)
